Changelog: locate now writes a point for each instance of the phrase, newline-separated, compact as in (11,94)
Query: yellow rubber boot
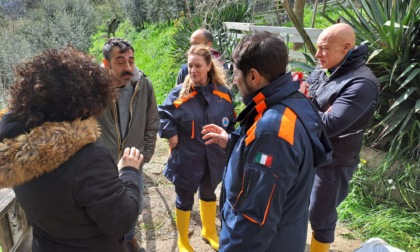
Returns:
(182,224)
(208,220)
(317,246)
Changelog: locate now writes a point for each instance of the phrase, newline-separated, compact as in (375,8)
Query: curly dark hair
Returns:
(59,85)
(123,44)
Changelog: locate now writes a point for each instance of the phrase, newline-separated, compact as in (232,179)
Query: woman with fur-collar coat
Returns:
(75,197)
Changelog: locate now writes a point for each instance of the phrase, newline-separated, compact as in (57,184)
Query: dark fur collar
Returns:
(43,150)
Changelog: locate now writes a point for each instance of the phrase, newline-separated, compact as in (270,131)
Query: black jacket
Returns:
(351,91)
(68,186)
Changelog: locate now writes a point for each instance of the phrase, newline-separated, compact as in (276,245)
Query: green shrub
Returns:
(333,12)
(14,48)
(53,24)
(153,57)
(136,12)
(367,217)
(211,19)
(392,29)
(57,23)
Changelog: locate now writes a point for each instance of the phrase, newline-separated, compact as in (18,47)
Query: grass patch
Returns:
(333,12)
(361,213)
(149,226)
(153,57)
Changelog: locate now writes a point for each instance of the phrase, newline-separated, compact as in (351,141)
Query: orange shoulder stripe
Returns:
(287,126)
(251,134)
(180,101)
(222,95)
(3,112)
(261,107)
(259,98)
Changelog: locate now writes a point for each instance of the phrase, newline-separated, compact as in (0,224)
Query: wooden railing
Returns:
(15,232)
(288,34)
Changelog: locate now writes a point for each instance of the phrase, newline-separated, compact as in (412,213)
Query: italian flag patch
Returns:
(263,159)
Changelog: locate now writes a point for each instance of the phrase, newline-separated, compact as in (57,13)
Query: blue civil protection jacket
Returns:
(185,117)
(268,180)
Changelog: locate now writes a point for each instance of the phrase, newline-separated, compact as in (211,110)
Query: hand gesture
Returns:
(131,157)
(215,134)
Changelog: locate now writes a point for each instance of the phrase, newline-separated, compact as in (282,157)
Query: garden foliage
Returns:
(53,24)
(392,31)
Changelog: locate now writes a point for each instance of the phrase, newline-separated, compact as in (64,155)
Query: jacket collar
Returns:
(279,89)
(43,149)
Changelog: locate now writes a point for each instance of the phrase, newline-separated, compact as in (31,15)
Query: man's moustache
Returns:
(127,74)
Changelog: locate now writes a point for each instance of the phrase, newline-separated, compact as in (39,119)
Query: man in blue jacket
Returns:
(345,92)
(272,154)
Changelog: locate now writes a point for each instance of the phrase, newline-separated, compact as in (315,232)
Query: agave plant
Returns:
(392,30)
(211,17)
(181,39)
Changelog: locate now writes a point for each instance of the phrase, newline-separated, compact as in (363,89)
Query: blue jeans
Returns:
(132,232)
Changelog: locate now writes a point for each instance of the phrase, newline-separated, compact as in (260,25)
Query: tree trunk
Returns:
(299,9)
(314,13)
(299,27)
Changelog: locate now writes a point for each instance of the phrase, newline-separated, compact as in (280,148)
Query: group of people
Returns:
(77,134)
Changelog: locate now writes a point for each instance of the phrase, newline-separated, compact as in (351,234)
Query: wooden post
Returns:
(7,200)
(6,240)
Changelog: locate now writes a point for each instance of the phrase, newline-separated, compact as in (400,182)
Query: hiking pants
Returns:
(331,187)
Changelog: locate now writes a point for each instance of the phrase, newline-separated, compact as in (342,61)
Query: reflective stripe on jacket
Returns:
(185,117)
(268,180)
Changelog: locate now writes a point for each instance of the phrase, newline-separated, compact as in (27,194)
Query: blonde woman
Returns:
(202,99)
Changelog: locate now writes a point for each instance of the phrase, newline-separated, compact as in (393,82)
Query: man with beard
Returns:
(272,154)
(133,119)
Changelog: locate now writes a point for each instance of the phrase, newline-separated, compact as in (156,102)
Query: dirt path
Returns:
(157,223)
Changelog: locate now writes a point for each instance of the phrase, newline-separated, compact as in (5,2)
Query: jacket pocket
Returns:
(181,163)
(188,126)
(259,186)
(346,149)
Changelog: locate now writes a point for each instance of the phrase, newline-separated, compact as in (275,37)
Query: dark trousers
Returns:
(331,187)
(185,198)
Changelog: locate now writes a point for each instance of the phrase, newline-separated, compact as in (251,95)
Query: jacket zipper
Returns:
(117,130)
(136,89)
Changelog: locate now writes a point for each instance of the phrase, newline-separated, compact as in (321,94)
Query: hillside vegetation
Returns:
(160,29)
